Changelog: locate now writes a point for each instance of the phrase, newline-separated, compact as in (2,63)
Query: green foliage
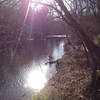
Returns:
(43,96)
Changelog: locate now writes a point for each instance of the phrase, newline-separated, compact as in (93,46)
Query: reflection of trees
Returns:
(28,53)
(4,63)
(36,50)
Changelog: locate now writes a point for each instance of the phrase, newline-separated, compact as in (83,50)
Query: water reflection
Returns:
(36,78)
(28,72)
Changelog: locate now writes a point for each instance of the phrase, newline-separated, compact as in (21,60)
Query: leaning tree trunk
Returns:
(92,48)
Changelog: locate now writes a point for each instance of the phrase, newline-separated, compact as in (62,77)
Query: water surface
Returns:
(26,73)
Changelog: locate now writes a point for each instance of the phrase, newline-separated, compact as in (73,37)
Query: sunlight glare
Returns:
(35,6)
(36,79)
(38,6)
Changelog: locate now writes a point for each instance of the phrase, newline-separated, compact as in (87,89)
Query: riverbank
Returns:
(73,76)
(74,72)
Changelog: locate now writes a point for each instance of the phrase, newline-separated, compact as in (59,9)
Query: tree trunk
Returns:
(92,48)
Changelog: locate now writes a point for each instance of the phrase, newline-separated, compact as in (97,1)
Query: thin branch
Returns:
(15,3)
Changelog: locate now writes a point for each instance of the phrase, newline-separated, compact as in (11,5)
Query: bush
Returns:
(42,96)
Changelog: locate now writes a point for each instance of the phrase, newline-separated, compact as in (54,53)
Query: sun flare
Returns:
(38,6)
(35,6)
(37,79)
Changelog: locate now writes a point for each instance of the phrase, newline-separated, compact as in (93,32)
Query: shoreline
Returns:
(72,78)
